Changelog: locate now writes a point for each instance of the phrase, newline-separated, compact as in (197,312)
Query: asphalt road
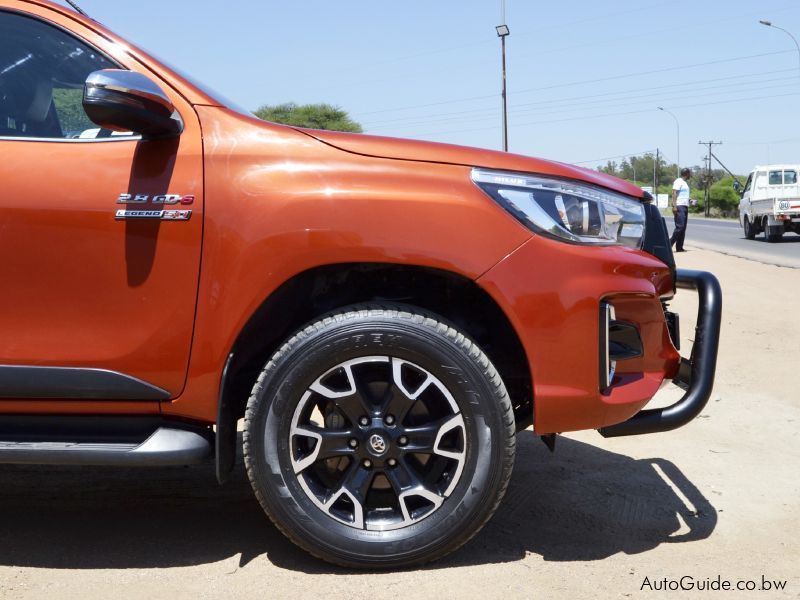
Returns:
(728,237)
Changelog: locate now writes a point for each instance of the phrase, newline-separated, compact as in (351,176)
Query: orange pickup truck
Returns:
(385,315)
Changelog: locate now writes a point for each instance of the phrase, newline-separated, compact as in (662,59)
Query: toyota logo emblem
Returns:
(377,444)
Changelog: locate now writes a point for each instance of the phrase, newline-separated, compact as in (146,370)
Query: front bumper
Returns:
(696,374)
(553,293)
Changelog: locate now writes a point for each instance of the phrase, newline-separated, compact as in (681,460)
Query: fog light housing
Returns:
(607,365)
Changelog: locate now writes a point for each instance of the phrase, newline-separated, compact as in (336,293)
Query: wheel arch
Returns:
(323,289)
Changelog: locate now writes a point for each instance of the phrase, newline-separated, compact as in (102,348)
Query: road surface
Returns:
(727,237)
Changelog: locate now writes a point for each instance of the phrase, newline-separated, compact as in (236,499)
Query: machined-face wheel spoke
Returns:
(410,490)
(402,396)
(426,439)
(355,486)
(402,478)
(397,404)
(358,481)
(353,407)
(353,398)
(335,443)
(327,444)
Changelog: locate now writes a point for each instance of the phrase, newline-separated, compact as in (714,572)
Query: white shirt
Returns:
(683,191)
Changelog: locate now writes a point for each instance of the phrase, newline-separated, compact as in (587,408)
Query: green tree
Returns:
(610,168)
(639,170)
(313,116)
(724,197)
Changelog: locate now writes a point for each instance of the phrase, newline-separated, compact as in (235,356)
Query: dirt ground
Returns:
(720,497)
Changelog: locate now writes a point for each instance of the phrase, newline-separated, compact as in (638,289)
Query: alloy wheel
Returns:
(377,443)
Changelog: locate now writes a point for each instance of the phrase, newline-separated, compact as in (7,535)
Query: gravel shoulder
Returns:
(719,497)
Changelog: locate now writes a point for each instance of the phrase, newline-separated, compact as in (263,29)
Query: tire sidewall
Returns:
(369,334)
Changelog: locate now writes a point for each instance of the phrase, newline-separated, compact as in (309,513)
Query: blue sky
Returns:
(584,77)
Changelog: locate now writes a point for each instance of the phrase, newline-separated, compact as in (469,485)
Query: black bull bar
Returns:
(696,375)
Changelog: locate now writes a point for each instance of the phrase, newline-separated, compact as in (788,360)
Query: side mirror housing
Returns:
(737,186)
(122,100)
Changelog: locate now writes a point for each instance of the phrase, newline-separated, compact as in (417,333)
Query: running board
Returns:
(164,447)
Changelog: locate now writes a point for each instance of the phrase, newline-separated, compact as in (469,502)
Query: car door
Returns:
(94,307)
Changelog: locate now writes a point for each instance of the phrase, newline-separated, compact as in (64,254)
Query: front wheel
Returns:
(379,437)
(749,230)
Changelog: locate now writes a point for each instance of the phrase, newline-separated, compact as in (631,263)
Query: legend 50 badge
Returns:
(163,215)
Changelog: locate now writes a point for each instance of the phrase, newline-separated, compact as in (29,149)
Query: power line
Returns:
(654,71)
(648,33)
(613,114)
(615,103)
(588,96)
(579,82)
(615,39)
(596,160)
(578,107)
(783,141)
(433,51)
(76,7)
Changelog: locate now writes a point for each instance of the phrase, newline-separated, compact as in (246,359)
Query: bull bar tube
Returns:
(696,375)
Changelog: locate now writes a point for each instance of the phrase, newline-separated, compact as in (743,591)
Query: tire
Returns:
(379,361)
(749,230)
(772,238)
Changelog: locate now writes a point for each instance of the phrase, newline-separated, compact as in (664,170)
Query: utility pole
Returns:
(706,207)
(505,95)
(658,164)
(655,177)
(502,32)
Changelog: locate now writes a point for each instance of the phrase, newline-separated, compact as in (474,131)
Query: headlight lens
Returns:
(566,210)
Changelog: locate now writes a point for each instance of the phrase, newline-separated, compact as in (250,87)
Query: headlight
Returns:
(568,211)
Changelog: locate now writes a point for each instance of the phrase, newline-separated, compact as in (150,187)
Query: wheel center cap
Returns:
(378,444)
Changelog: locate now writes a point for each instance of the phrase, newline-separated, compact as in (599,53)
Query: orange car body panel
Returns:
(280,203)
(557,319)
(369,145)
(166,303)
(97,292)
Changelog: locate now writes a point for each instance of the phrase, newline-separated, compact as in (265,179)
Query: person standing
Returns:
(680,209)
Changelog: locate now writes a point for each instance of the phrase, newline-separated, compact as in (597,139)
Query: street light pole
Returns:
(769,24)
(678,126)
(502,33)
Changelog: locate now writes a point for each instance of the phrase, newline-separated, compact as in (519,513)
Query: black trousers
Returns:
(681,218)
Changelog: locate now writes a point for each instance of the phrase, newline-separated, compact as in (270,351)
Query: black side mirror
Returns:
(737,186)
(129,101)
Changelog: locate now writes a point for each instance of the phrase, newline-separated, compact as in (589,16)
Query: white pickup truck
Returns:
(771,202)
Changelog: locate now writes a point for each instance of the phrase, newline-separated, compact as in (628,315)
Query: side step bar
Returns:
(164,447)
(696,375)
